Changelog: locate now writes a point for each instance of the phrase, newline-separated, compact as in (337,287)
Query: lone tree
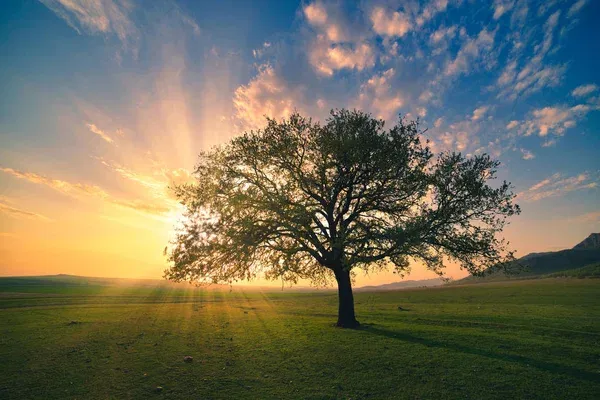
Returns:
(298,199)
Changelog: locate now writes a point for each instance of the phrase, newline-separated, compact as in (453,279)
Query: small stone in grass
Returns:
(158,389)
(188,359)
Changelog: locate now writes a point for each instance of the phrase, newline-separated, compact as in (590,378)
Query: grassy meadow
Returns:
(98,340)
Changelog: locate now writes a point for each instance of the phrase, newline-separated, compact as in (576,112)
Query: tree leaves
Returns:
(300,200)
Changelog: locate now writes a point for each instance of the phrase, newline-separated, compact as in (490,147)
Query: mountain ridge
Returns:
(531,265)
(591,242)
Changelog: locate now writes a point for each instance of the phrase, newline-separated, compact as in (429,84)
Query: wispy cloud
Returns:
(115,18)
(479,113)
(558,185)
(527,155)
(16,212)
(575,8)
(534,74)
(387,61)
(327,59)
(501,7)
(79,190)
(593,216)
(94,129)
(73,189)
(8,235)
(334,46)
(458,136)
(443,33)
(105,17)
(316,14)
(549,143)
(470,54)
(584,90)
(266,95)
(390,23)
(512,124)
(430,10)
(157,184)
(377,95)
(554,120)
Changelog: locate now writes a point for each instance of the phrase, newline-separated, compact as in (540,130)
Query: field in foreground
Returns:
(523,339)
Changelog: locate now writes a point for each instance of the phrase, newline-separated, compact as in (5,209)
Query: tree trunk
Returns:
(346,317)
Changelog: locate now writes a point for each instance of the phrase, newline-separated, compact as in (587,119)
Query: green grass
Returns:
(522,339)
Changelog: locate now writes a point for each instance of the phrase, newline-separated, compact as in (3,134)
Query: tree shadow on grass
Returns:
(526,361)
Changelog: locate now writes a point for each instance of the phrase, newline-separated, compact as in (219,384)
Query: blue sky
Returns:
(106,102)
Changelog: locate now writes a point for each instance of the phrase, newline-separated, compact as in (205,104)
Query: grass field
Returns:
(523,339)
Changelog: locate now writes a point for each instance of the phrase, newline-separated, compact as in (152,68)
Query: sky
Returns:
(106,103)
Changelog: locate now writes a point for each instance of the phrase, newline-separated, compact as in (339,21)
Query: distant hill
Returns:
(538,264)
(402,285)
(533,255)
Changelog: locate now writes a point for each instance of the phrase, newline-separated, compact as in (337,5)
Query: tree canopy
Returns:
(300,199)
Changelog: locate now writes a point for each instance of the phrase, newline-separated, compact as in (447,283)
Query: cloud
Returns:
(443,33)
(458,140)
(508,74)
(79,190)
(327,58)
(178,176)
(8,234)
(106,17)
(554,120)
(478,113)
(575,8)
(584,90)
(527,155)
(544,183)
(258,53)
(533,79)
(316,14)
(73,189)
(557,185)
(534,75)
(146,181)
(593,216)
(158,184)
(142,206)
(19,213)
(470,53)
(392,24)
(378,95)
(267,94)
(335,45)
(501,7)
(430,10)
(549,143)
(460,136)
(328,26)
(94,129)
(115,18)
(512,124)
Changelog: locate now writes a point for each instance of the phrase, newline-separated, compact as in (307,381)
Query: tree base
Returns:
(347,324)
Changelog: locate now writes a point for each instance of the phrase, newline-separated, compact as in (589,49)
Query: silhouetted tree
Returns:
(302,200)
